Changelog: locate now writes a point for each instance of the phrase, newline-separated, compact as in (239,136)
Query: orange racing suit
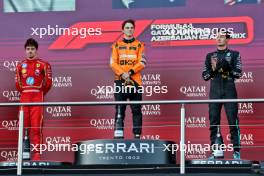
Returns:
(128,56)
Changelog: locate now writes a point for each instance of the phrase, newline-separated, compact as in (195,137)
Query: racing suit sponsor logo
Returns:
(195,122)
(245,108)
(122,47)
(37,72)
(62,81)
(228,57)
(59,111)
(133,48)
(247,77)
(11,95)
(30,81)
(24,65)
(127,56)
(193,91)
(245,139)
(127,62)
(102,124)
(10,124)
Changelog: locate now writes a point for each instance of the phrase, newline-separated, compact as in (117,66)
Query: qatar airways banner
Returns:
(76,40)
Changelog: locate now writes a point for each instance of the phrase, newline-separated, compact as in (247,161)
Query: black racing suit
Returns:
(222,86)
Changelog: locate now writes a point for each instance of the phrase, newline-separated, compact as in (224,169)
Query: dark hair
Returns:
(128,21)
(31,42)
(226,33)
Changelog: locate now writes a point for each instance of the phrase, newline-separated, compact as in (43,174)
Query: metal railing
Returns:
(108,103)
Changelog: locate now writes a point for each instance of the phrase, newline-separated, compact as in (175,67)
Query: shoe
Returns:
(217,154)
(119,134)
(137,136)
(211,157)
(236,155)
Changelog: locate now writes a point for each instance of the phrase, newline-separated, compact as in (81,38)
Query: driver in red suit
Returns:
(33,81)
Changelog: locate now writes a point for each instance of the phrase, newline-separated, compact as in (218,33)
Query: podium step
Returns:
(120,151)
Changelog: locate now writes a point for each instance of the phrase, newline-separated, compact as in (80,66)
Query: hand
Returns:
(129,82)
(225,66)
(213,63)
(125,76)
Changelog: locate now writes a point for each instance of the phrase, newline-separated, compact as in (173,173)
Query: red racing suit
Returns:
(33,81)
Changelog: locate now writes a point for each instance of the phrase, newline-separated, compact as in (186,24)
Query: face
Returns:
(31,52)
(221,40)
(128,30)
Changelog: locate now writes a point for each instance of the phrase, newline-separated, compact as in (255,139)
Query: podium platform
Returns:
(124,170)
(126,152)
(141,157)
(34,163)
(220,162)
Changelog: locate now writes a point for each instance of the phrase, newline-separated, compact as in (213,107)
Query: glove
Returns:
(129,82)
(125,76)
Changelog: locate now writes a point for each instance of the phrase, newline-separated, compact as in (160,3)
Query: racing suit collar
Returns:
(222,51)
(32,60)
(128,41)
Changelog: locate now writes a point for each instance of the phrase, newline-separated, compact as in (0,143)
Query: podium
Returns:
(221,162)
(125,152)
(34,163)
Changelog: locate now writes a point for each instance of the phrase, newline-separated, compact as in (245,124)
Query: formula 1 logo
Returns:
(163,32)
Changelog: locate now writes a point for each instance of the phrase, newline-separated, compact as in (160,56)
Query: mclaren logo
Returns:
(127,3)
